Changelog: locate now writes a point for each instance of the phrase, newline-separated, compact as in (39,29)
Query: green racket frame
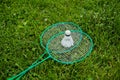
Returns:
(47,51)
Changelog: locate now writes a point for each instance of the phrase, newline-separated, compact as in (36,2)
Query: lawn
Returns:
(22,22)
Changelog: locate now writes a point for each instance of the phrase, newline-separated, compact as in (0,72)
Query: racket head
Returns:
(56,28)
(81,49)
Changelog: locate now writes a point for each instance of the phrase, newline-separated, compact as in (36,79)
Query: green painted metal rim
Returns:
(54,25)
(81,59)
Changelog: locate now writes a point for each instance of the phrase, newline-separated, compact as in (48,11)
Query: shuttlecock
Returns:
(67,41)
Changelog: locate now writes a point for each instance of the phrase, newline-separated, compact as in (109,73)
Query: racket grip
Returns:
(17,77)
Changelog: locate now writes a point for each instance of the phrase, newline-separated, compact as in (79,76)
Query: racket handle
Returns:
(17,77)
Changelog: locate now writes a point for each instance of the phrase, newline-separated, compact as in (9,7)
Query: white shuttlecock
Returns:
(67,41)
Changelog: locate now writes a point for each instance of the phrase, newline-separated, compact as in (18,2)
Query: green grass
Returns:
(22,21)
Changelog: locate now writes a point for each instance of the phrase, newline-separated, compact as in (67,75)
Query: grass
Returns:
(22,21)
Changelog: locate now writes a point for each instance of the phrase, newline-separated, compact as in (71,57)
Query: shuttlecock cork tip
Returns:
(67,32)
